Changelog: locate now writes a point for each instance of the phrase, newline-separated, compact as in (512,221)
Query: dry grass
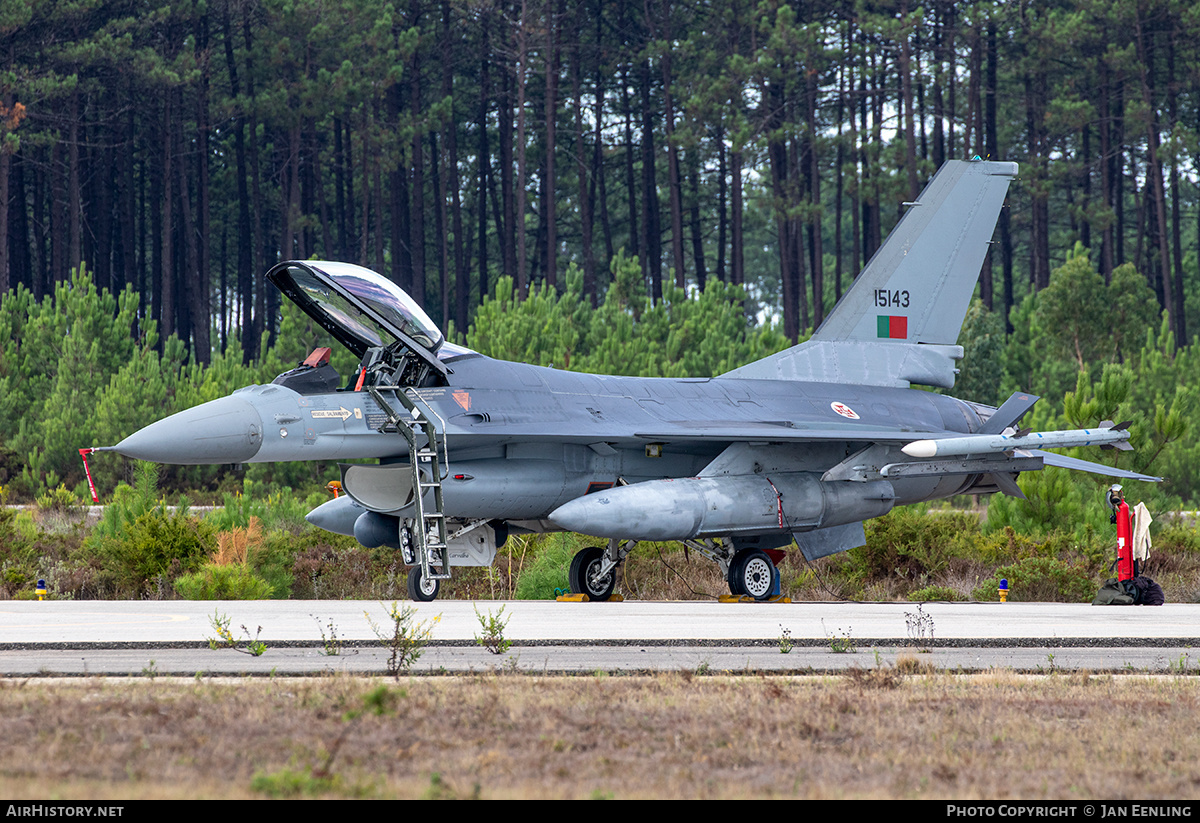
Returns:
(673,735)
(233,546)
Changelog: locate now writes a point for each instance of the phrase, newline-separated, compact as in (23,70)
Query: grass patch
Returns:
(902,733)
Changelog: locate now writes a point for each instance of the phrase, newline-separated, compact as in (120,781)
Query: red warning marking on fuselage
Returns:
(463,399)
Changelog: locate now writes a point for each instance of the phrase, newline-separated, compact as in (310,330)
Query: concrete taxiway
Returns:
(314,637)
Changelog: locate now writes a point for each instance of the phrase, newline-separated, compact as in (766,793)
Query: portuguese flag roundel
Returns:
(892,327)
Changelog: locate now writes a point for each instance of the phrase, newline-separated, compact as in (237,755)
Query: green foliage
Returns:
(548,570)
(56,359)
(1041,579)
(935,593)
(232,581)
(493,625)
(156,548)
(981,371)
(58,500)
(1073,312)
(681,335)
(277,508)
(272,560)
(841,642)
(142,545)
(129,503)
(911,544)
(1053,500)
(331,644)
(405,639)
(288,784)
(225,640)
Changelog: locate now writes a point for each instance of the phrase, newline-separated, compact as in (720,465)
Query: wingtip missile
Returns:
(1111,436)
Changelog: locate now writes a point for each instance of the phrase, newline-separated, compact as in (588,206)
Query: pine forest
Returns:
(663,187)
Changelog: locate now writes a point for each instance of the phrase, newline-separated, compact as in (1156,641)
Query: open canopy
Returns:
(360,308)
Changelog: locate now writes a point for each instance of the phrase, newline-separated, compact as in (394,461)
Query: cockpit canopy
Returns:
(371,316)
(357,306)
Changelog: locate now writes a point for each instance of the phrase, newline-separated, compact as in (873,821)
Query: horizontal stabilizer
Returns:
(1014,409)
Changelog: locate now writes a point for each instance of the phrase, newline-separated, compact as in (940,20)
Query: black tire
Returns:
(421,589)
(755,573)
(735,571)
(582,575)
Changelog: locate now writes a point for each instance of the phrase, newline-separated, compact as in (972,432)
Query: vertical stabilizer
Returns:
(917,287)
(899,322)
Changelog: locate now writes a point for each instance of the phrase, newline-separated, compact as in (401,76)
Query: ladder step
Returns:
(429,526)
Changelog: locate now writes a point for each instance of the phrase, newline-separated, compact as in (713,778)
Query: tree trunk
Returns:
(581,167)
(522,70)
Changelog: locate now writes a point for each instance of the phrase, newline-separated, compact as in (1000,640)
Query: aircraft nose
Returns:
(227,430)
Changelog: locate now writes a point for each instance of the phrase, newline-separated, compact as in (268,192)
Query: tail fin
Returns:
(899,323)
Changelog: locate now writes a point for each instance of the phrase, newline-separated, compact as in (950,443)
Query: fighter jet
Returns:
(800,446)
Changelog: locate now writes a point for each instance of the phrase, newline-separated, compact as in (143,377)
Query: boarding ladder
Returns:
(429,532)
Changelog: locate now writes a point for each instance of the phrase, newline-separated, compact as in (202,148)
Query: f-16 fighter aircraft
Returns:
(803,445)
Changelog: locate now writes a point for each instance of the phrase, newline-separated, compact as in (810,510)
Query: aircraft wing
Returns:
(783,431)
(1064,462)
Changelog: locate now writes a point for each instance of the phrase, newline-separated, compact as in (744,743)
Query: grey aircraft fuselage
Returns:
(510,425)
(522,440)
(805,444)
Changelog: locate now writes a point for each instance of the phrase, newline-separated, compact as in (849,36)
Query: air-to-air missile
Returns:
(1110,436)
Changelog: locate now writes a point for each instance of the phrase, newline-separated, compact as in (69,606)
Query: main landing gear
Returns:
(594,569)
(588,575)
(752,572)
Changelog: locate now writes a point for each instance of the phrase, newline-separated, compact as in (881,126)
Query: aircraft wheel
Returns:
(753,572)
(734,578)
(420,588)
(583,575)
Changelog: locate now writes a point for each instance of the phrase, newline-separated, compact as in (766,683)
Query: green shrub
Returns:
(547,570)
(935,593)
(58,499)
(156,548)
(1041,579)
(272,561)
(142,545)
(129,503)
(228,582)
(911,543)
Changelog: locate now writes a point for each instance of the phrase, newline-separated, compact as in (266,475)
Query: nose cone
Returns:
(337,515)
(228,430)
